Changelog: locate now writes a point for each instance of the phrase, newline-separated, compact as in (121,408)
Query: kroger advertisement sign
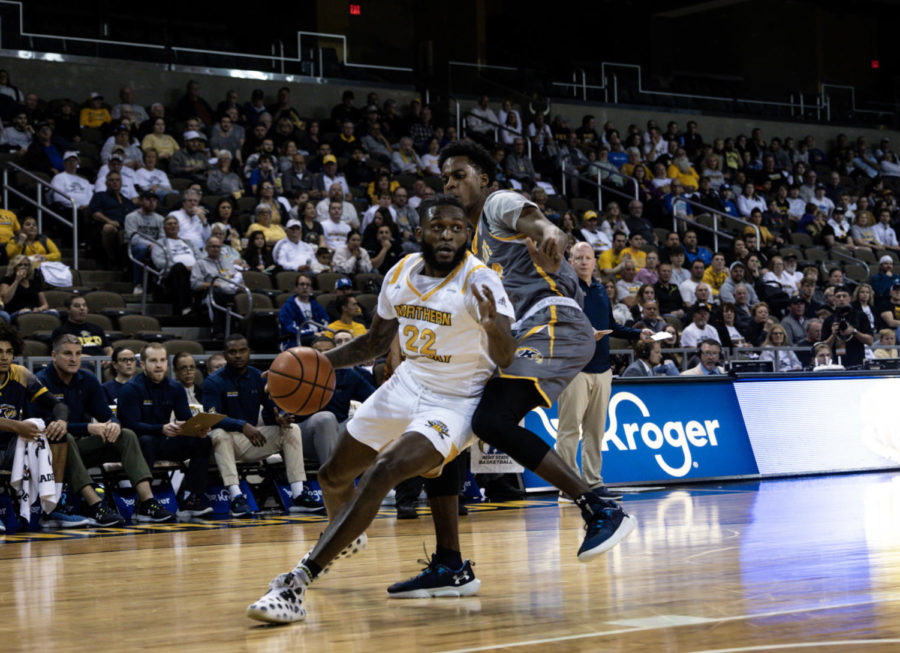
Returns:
(665,432)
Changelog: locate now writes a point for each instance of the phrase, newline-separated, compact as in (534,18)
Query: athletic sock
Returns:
(234,491)
(296,489)
(590,504)
(310,568)
(448,557)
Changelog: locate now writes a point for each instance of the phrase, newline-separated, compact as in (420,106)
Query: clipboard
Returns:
(200,422)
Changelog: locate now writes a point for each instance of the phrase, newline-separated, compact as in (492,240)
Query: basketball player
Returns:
(453,319)
(555,342)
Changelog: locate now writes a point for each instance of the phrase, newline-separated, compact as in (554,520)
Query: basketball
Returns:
(301,381)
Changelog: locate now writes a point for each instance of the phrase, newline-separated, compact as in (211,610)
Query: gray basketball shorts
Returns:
(554,345)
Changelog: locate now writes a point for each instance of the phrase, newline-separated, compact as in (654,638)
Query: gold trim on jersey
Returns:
(399,269)
(434,472)
(546,277)
(533,379)
(443,283)
(550,327)
(466,282)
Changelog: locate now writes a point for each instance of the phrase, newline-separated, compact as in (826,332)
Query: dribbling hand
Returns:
(546,256)
(487,306)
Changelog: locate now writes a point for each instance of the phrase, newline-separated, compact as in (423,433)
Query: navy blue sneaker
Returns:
(308,503)
(437,580)
(240,507)
(194,506)
(606,524)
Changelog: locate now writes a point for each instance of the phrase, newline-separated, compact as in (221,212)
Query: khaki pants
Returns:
(232,446)
(582,411)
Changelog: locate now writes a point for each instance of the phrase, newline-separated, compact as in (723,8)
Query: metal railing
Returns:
(715,228)
(38,203)
(496,126)
(210,298)
(147,269)
(842,255)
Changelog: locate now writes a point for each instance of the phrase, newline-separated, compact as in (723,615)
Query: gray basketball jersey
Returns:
(503,249)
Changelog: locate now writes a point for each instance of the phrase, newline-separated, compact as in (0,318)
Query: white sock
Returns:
(296,489)
(234,491)
(59,489)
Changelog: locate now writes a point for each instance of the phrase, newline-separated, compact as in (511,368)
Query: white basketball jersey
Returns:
(445,346)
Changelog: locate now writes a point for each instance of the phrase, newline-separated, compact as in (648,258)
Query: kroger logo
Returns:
(672,435)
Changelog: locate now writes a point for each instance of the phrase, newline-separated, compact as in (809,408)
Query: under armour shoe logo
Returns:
(459,578)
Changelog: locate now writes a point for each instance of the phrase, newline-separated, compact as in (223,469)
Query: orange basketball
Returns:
(301,381)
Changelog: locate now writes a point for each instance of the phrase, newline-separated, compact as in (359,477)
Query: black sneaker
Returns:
(308,503)
(240,507)
(606,524)
(194,506)
(151,510)
(103,515)
(407,511)
(437,580)
(605,492)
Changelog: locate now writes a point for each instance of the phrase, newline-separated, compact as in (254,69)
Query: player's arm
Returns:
(366,347)
(501,344)
(546,242)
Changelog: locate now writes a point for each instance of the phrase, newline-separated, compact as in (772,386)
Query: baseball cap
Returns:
(123,127)
(343,283)
(329,158)
(293,222)
(883,259)
(589,215)
(192,135)
(797,299)
(72,153)
(702,307)
(725,187)
(896,284)
(96,95)
(736,264)
(148,195)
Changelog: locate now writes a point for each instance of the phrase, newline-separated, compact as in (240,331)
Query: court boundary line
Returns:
(710,620)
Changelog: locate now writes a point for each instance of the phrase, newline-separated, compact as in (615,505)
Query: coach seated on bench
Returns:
(146,404)
(99,441)
(238,391)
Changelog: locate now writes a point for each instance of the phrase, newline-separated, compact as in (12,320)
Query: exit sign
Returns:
(354,10)
(875,64)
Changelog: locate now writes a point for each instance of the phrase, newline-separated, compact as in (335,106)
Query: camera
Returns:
(842,313)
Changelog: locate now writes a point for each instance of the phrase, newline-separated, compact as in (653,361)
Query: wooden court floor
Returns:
(773,566)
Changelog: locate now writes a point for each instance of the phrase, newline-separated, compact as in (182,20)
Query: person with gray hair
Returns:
(222,180)
(192,223)
(263,222)
(220,278)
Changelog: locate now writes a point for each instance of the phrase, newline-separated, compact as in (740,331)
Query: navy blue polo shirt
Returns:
(145,407)
(599,311)
(239,396)
(83,395)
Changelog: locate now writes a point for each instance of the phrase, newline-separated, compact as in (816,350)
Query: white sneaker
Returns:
(283,603)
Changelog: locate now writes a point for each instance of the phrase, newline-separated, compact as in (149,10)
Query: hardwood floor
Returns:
(778,565)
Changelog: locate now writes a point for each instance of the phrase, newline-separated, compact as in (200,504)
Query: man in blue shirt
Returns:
(99,441)
(300,308)
(145,406)
(124,364)
(582,405)
(238,391)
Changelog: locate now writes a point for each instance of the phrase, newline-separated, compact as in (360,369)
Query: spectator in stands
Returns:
(688,288)
(386,250)
(258,254)
(864,302)
(847,330)
(334,228)
(667,293)
(147,222)
(214,363)
(349,311)
(108,209)
(21,290)
(783,361)
(431,157)
(693,251)
(405,217)
(257,145)
(347,214)
(595,237)
(736,276)
(37,247)
(227,136)
(649,273)
(297,313)
(681,169)
(193,225)
(614,221)
(405,160)
(129,178)
(175,257)
(626,286)
(94,114)
(126,97)
(298,179)
(45,154)
(709,352)
(92,338)
(345,110)
(164,144)
(192,105)
(889,309)
(292,253)
(795,321)
(264,173)
(749,200)
(330,176)
(222,180)
(481,122)
(238,391)
(836,232)
(220,278)
(191,162)
(885,235)
(263,222)
(121,139)
(124,365)
(18,136)
(675,203)
(715,275)
(518,165)
(888,338)
(821,201)
(351,258)
(885,278)
(146,403)
(757,330)
(611,261)
(812,336)
(573,162)
(150,178)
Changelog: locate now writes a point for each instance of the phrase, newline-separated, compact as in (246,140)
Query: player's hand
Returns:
(257,439)
(599,334)
(646,335)
(172,429)
(56,431)
(28,430)
(284,420)
(547,256)
(111,431)
(487,306)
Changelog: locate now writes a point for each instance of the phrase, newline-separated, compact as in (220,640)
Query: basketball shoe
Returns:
(437,580)
(606,524)
(283,603)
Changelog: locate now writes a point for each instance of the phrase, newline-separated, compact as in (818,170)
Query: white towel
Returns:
(32,473)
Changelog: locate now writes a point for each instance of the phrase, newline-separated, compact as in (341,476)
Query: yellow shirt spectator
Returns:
(690,179)
(273,232)
(715,279)
(355,328)
(91,117)
(9,225)
(164,144)
(639,257)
